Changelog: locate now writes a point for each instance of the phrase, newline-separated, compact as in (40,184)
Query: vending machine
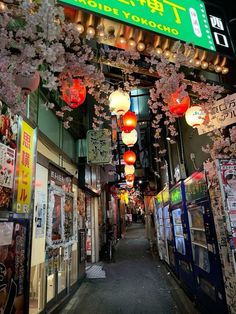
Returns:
(159,225)
(183,249)
(206,261)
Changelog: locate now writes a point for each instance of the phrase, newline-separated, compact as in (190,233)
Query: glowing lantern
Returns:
(129,121)
(195,116)
(129,157)
(129,139)
(119,102)
(74,95)
(129,169)
(129,177)
(178,105)
(130,184)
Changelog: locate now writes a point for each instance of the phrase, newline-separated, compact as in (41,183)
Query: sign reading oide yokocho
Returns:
(180,19)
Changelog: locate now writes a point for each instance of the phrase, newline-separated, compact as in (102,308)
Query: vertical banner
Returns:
(25,169)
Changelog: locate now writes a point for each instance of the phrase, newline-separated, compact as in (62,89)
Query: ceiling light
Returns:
(80,28)
(141,46)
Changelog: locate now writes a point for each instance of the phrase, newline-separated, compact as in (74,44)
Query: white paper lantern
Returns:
(28,83)
(119,102)
(129,169)
(129,139)
(195,116)
(130,184)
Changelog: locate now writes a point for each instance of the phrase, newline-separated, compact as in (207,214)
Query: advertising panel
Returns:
(170,18)
(25,166)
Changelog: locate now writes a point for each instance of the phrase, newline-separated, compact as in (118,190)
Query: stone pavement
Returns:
(137,283)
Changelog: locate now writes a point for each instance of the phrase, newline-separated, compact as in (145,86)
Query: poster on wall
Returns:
(69,217)
(13,267)
(8,138)
(55,217)
(60,178)
(40,211)
(227,172)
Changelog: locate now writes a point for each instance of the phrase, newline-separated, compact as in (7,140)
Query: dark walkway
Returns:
(137,283)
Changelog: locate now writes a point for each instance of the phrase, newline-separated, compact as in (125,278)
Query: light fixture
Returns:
(178,105)
(195,116)
(159,50)
(141,46)
(129,169)
(129,121)
(225,70)
(122,40)
(167,53)
(204,65)
(197,62)
(129,157)
(101,31)
(80,28)
(119,102)
(90,31)
(130,138)
(2,6)
(218,68)
(132,43)
(74,95)
(168,138)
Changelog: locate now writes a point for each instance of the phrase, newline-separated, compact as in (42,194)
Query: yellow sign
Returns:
(25,167)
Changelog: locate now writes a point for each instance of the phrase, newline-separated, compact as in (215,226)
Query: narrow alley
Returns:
(136,283)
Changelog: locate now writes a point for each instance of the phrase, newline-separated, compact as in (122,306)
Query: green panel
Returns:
(159,198)
(176,195)
(195,186)
(181,19)
(68,144)
(49,124)
(165,195)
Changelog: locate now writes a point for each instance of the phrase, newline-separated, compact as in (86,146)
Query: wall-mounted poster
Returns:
(69,217)
(13,267)
(55,218)
(40,210)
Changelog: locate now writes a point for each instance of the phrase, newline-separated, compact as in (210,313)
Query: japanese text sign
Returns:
(223,113)
(99,147)
(180,19)
(25,167)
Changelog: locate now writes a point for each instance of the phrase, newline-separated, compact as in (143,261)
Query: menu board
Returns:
(13,259)
(178,230)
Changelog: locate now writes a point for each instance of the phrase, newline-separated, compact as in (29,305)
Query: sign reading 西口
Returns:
(180,19)
(223,114)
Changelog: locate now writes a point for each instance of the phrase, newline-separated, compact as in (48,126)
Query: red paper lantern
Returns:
(179,105)
(129,157)
(129,177)
(129,121)
(74,95)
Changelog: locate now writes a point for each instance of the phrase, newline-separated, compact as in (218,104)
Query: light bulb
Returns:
(204,65)
(141,46)
(122,39)
(225,70)
(132,43)
(218,68)
(159,50)
(197,62)
(91,31)
(2,6)
(167,53)
(80,28)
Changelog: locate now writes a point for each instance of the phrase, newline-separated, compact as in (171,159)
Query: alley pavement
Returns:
(136,283)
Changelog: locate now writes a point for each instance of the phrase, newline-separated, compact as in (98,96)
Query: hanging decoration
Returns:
(28,83)
(178,105)
(129,177)
(119,102)
(129,139)
(74,95)
(129,122)
(129,169)
(129,157)
(195,116)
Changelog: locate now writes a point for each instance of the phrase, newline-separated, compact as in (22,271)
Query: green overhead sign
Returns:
(184,20)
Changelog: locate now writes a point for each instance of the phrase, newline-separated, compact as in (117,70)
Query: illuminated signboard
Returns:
(181,19)
(176,195)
